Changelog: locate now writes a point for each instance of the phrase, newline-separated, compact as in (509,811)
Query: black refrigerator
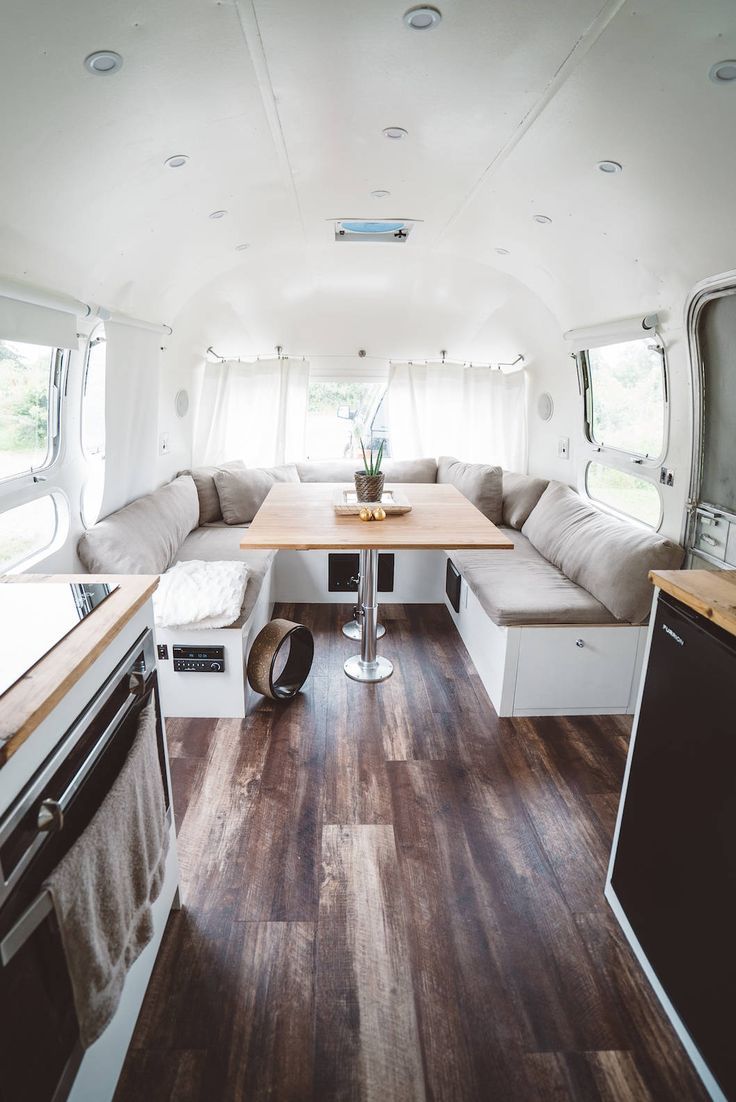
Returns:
(673,867)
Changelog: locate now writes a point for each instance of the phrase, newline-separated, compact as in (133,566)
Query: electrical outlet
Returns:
(666,476)
(563,447)
(163,444)
(163,652)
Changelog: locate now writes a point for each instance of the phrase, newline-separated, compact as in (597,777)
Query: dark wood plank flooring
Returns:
(391,894)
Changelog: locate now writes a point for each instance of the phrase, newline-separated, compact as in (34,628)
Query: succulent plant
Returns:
(372,466)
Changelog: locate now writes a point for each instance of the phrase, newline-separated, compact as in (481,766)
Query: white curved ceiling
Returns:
(280,106)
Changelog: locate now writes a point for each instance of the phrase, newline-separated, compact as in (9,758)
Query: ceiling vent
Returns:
(389,231)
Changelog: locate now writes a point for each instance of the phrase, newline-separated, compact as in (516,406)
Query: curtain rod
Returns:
(281,355)
(52,300)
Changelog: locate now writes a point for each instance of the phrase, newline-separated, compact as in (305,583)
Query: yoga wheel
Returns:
(280,659)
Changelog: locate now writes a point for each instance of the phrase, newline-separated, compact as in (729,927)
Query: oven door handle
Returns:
(29,921)
(137,689)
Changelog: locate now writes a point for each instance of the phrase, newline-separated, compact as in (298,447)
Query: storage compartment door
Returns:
(583,667)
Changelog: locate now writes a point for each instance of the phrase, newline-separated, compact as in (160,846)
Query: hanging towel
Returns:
(198,595)
(102,889)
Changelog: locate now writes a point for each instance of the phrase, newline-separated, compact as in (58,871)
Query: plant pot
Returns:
(369,487)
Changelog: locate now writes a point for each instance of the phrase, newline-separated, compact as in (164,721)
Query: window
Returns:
(624,493)
(625,397)
(27,377)
(27,530)
(341,412)
(93,426)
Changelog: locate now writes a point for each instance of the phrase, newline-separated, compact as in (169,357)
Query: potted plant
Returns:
(369,481)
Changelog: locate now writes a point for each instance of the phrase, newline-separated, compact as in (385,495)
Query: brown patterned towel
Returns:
(104,886)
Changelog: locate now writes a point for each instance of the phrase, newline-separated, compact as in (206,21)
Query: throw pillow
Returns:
(480,483)
(242,492)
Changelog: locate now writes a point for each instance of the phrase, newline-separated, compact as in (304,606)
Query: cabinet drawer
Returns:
(577,667)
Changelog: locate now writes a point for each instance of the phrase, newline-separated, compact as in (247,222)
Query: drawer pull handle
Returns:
(579,643)
(709,540)
(50,816)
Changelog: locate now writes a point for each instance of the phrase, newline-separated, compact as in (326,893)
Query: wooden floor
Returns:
(391,894)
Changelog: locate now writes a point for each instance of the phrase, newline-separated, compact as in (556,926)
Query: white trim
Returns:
(613,332)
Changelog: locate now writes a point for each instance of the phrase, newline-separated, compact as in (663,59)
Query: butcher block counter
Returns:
(710,593)
(31,700)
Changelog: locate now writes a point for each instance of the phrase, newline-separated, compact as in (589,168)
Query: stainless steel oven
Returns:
(40,1050)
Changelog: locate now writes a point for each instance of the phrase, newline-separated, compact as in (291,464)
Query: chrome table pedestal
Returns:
(369,666)
(354,628)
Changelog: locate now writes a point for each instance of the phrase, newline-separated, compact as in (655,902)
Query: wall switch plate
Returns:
(563,447)
(163,444)
(666,476)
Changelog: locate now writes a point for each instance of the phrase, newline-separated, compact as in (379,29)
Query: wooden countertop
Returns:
(31,699)
(712,593)
(301,516)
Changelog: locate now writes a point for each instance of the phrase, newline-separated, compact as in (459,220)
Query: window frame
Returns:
(348,379)
(58,365)
(606,507)
(92,342)
(586,389)
(59,534)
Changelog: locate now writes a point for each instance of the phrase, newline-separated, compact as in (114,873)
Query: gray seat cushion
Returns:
(342,470)
(242,491)
(480,483)
(222,543)
(609,557)
(143,537)
(521,493)
(521,587)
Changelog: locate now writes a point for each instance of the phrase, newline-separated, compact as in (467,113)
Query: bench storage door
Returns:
(561,668)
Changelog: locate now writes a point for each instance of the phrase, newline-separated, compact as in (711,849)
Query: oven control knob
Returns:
(50,816)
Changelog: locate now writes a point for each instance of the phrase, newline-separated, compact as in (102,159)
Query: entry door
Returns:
(712,331)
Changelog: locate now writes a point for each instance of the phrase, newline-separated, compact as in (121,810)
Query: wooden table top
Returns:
(300,516)
(712,593)
(31,699)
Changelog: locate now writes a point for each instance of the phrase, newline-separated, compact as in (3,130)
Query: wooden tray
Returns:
(347,505)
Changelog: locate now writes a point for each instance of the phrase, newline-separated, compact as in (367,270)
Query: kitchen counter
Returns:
(710,593)
(31,699)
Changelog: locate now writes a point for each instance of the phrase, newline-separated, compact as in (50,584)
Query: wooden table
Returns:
(299,516)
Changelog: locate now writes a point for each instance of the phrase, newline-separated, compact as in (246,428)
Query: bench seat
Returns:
(217,542)
(525,588)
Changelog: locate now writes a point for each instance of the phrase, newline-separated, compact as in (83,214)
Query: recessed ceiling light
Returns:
(103,62)
(610,167)
(177,161)
(422,19)
(502,252)
(543,219)
(723,72)
(379,193)
(242,248)
(395,133)
(217,214)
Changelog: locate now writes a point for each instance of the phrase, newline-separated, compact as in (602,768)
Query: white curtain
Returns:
(256,412)
(477,414)
(131,413)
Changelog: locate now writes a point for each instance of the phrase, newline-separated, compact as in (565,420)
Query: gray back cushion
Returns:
(608,557)
(145,536)
(204,480)
(242,492)
(342,470)
(481,484)
(521,493)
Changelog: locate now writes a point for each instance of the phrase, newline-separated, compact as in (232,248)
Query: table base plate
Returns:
(359,670)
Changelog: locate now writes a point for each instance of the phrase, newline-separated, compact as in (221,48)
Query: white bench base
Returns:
(540,670)
(526,671)
(213,695)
